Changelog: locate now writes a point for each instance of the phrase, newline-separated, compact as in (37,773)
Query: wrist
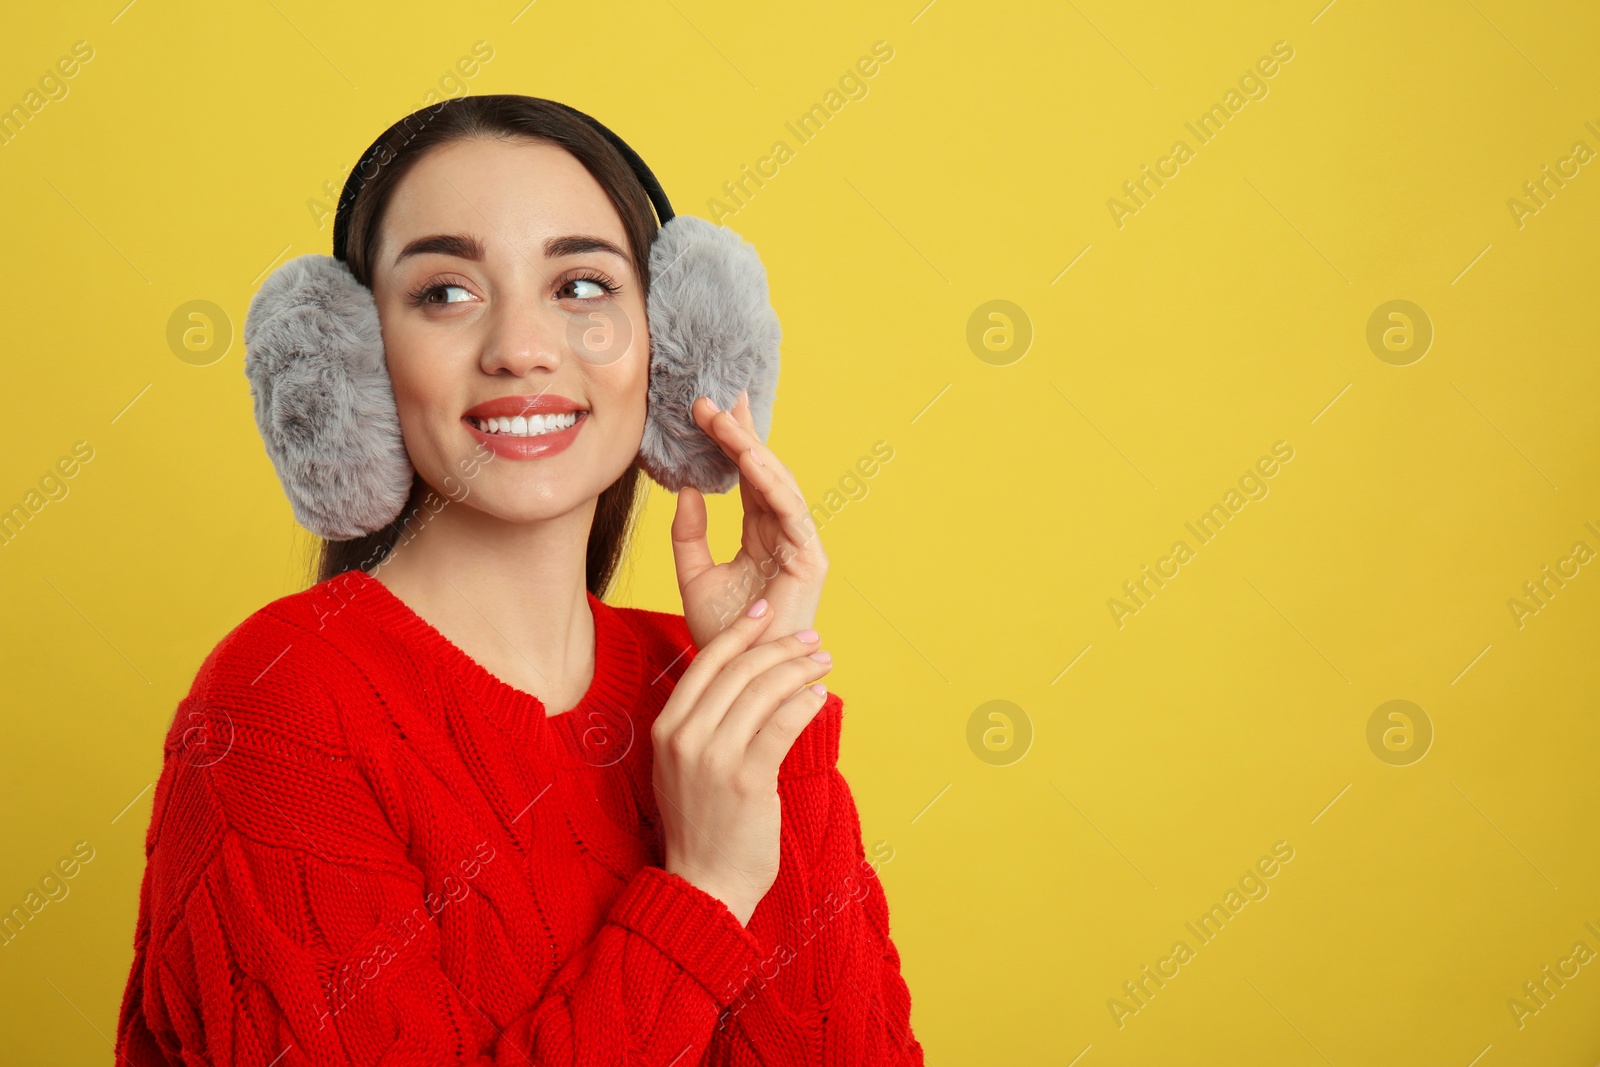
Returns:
(712,887)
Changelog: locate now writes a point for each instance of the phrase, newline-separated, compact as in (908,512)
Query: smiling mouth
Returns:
(527,426)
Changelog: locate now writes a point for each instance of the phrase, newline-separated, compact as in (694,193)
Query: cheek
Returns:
(411,389)
(626,382)
(423,384)
(623,386)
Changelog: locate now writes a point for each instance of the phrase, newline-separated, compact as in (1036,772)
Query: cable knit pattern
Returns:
(367,849)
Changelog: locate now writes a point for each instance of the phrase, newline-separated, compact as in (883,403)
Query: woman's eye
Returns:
(587,288)
(446,289)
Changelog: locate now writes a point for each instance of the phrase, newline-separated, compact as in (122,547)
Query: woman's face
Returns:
(514,327)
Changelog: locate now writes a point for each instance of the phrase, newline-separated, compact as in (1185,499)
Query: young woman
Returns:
(447,806)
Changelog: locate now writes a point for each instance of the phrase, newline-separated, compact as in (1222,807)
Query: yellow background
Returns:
(1227,314)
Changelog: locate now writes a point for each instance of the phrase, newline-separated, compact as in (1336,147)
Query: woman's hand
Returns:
(719,742)
(780,557)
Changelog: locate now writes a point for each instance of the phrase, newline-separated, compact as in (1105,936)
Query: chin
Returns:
(529,497)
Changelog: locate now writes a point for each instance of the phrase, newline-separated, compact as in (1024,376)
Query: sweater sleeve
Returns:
(827,988)
(281,924)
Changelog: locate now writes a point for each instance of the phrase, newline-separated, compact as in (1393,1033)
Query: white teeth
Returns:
(526,426)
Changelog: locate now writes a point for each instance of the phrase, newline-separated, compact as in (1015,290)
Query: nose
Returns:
(523,336)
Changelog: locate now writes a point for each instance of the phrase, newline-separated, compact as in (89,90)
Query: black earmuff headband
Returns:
(369,163)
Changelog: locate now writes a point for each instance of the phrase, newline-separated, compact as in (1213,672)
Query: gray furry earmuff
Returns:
(326,410)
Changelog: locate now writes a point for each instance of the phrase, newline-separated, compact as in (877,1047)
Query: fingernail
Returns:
(807,636)
(822,655)
(819,689)
(757,608)
(757,457)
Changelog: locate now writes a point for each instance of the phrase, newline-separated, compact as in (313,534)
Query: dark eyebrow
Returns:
(466,246)
(460,245)
(577,244)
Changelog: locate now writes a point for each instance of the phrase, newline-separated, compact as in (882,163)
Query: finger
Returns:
(705,413)
(738,636)
(735,434)
(746,674)
(752,708)
(738,436)
(777,490)
(741,411)
(778,734)
(772,494)
(691,551)
(704,410)
(750,678)
(767,486)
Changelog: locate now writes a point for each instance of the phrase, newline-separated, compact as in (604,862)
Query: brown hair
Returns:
(507,117)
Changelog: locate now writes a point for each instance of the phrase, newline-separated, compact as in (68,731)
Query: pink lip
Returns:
(509,447)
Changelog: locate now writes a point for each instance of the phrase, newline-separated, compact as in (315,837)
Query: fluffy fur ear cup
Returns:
(323,400)
(713,333)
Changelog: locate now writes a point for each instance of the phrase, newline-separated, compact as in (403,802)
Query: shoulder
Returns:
(262,747)
(285,643)
(278,677)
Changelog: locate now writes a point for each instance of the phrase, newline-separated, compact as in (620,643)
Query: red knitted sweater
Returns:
(365,848)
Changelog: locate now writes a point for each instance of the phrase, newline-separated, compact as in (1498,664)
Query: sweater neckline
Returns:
(603,714)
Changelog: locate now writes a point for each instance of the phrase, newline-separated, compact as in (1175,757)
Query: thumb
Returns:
(690,549)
